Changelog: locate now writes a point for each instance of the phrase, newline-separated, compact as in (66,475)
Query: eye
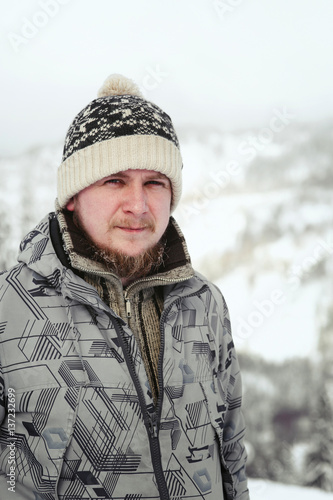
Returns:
(155,183)
(113,181)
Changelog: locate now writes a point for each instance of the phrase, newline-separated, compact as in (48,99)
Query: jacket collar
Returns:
(74,251)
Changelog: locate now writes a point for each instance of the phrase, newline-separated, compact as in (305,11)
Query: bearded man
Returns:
(117,355)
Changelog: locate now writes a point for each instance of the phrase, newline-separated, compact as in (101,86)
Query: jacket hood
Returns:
(38,253)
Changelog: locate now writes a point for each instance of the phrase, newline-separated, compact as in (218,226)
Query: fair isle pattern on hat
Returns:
(115,133)
(116,116)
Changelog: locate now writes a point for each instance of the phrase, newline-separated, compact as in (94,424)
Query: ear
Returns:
(70,205)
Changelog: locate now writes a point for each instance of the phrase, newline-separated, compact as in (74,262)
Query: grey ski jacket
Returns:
(71,368)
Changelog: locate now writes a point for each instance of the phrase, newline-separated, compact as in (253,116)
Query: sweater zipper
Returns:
(128,307)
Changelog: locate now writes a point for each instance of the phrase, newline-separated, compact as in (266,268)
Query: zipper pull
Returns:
(127,306)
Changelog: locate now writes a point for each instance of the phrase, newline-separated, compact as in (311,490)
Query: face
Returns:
(127,212)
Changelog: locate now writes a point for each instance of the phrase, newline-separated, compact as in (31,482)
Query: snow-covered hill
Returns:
(267,490)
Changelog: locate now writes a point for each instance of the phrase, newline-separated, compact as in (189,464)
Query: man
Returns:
(117,355)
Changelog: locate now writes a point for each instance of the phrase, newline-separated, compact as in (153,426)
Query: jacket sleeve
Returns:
(233,451)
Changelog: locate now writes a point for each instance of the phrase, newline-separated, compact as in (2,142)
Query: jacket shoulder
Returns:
(16,268)
(214,289)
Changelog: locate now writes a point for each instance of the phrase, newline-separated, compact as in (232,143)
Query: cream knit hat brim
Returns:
(88,165)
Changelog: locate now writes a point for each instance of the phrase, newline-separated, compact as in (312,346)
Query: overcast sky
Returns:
(225,63)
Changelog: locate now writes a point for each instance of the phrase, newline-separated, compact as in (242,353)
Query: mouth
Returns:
(132,229)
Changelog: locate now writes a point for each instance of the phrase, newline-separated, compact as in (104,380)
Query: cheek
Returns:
(163,216)
(88,215)
(92,207)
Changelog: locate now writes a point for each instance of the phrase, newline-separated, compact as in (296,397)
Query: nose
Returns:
(135,200)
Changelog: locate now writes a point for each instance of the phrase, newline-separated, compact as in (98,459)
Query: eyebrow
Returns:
(151,174)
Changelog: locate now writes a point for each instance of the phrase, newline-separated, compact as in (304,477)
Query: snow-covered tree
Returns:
(319,460)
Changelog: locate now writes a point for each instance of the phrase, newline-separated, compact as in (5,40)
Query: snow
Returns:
(267,490)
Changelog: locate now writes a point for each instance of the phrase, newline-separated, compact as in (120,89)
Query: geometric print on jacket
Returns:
(79,378)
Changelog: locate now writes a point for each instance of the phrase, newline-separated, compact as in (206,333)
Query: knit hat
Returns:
(119,130)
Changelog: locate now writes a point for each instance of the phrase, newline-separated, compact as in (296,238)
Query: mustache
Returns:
(137,224)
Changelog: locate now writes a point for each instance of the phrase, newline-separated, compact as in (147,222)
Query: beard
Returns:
(127,267)
(131,267)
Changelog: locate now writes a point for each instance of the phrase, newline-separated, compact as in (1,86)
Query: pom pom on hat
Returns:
(117,84)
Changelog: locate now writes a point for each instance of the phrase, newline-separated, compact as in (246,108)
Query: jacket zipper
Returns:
(150,419)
